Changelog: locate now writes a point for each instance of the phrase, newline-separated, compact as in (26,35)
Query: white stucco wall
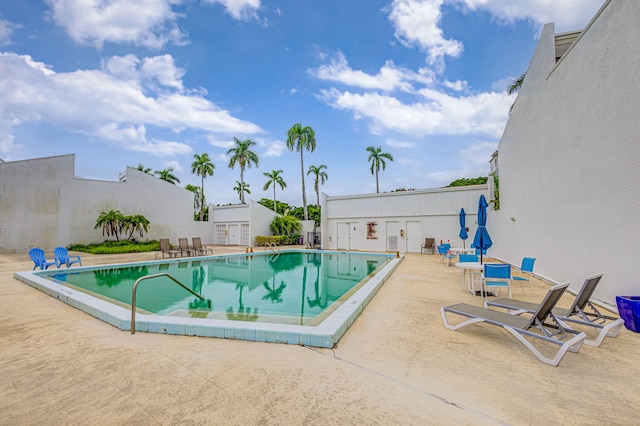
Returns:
(411,216)
(42,204)
(253,214)
(261,218)
(570,158)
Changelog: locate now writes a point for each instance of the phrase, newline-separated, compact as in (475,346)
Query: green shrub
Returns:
(285,225)
(264,240)
(116,247)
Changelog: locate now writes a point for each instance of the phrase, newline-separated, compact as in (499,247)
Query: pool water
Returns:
(289,287)
(301,297)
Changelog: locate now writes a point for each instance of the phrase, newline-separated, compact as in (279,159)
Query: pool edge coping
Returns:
(324,335)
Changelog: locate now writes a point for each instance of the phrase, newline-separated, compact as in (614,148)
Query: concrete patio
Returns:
(397,364)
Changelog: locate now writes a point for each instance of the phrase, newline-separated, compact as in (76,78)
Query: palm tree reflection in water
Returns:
(243,314)
(318,301)
(199,308)
(274,294)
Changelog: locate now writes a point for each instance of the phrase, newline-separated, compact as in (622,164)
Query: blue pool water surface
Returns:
(308,297)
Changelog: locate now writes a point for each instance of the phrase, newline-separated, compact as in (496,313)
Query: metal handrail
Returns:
(273,246)
(146,277)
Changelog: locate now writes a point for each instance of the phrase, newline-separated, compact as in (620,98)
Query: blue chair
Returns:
(62,257)
(526,268)
(468,258)
(496,275)
(39,259)
(443,251)
(483,252)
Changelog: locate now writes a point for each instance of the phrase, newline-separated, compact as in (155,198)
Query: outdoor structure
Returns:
(398,221)
(43,204)
(570,154)
(240,224)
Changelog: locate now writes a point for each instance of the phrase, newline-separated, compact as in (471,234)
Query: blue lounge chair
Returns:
(62,257)
(39,260)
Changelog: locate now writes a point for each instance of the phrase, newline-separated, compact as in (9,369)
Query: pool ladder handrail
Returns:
(146,277)
(275,251)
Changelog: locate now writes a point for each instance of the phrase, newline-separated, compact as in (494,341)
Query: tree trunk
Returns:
(241,185)
(304,195)
(202,200)
(274,198)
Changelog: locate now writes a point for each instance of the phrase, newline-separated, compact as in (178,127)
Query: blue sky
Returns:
(121,82)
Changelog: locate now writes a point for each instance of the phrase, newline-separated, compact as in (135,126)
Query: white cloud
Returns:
(479,153)
(6,31)
(502,84)
(154,72)
(226,144)
(436,113)
(173,164)
(242,10)
(399,144)
(114,103)
(458,86)
(274,149)
(389,78)
(417,22)
(150,23)
(567,14)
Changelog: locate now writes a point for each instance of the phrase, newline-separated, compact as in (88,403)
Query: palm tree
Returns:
(167,175)
(135,223)
(144,169)
(275,178)
(377,157)
(196,199)
(242,154)
(301,138)
(203,167)
(320,178)
(110,222)
(241,188)
(515,86)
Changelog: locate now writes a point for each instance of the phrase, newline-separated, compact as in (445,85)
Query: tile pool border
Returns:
(324,335)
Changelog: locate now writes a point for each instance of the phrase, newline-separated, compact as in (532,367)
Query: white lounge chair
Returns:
(541,325)
(577,313)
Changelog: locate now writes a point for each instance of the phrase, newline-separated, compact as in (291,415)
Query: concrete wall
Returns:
(402,219)
(43,204)
(570,158)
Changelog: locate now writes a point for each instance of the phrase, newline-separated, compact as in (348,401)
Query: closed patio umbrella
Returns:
(482,240)
(463,230)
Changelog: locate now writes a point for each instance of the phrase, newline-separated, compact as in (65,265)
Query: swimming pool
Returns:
(308,297)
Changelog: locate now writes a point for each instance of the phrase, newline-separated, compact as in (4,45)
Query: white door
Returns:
(392,236)
(413,237)
(343,236)
(221,234)
(244,230)
(234,235)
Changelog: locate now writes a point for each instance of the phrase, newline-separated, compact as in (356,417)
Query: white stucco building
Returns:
(43,204)
(399,221)
(569,158)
